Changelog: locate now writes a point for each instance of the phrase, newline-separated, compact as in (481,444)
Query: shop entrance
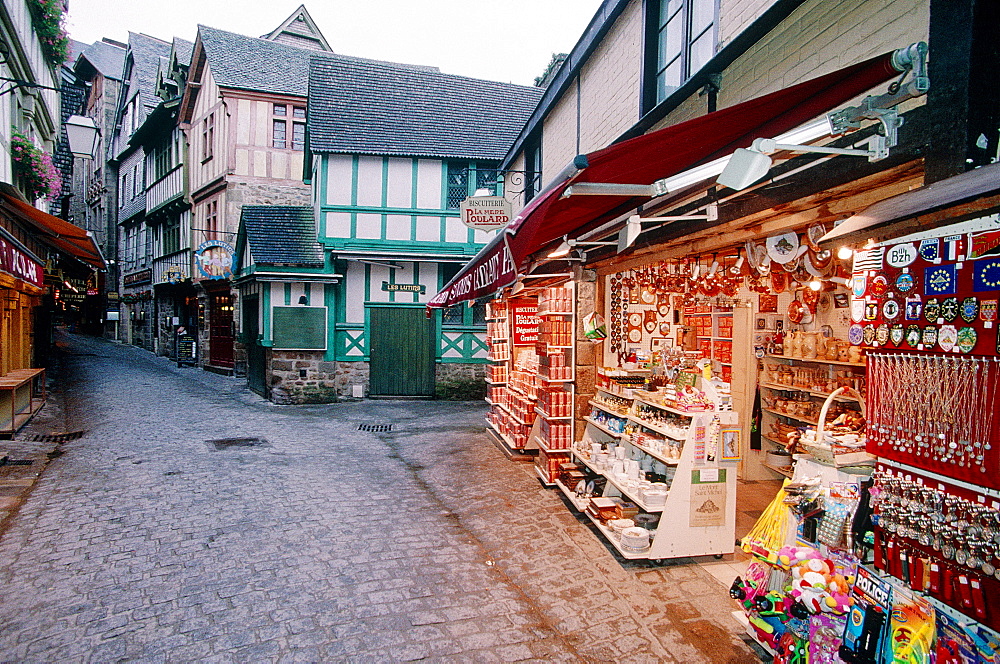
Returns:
(401,352)
(220,342)
(255,352)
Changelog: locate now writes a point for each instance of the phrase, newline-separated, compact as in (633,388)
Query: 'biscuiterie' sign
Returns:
(485,213)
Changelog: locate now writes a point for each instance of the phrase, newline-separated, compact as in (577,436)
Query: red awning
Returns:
(56,232)
(662,154)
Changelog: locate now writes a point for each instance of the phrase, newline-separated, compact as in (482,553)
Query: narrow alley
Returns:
(194,521)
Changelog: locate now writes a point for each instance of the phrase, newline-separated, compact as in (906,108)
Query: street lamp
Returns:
(81,133)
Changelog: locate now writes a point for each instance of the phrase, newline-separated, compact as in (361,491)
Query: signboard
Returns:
(485,213)
(405,288)
(18,264)
(140,277)
(175,274)
(489,271)
(299,328)
(186,347)
(708,498)
(216,259)
(525,323)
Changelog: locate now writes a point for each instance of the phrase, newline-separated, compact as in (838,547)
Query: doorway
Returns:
(256,379)
(401,351)
(220,330)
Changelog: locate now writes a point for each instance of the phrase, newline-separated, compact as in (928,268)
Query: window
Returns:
(299,112)
(532,167)
(458,184)
(212,218)
(208,137)
(298,135)
(162,161)
(280,109)
(171,236)
(278,132)
(680,40)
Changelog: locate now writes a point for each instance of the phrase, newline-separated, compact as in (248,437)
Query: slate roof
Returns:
(282,235)
(365,107)
(106,58)
(146,54)
(250,63)
(184,49)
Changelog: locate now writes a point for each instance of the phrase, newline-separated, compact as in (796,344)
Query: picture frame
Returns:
(661,343)
(761,323)
(729,437)
(779,325)
(841,300)
(767,303)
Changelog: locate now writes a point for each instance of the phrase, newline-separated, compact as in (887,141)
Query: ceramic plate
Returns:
(783,248)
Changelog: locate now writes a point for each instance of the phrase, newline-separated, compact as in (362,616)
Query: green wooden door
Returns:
(401,351)
(255,352)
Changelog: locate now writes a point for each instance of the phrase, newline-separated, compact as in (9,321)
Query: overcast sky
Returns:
(503,40)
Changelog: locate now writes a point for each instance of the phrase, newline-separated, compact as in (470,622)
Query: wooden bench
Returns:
(22,394)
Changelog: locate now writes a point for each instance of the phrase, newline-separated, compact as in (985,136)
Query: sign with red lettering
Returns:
(485,213)
(524,325)
(487,273)
(18,264)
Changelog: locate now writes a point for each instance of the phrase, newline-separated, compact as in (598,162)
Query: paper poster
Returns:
(708,498)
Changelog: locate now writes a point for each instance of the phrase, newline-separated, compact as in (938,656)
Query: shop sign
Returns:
(405,288)
(485,213)
(186,350)
(216,259)
(112,296)
(175,274)
(18,264)
(708,498)
(525,327)
(140,277)
(484,277)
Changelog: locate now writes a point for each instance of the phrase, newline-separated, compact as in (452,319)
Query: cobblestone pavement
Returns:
(319,542)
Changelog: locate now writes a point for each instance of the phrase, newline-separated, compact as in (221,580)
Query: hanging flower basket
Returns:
(47,18)
(36,172)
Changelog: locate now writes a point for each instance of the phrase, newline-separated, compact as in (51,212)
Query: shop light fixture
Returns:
(815,285)
(568,245)
(519,284)
(747,166)
(633,227)
(845,253)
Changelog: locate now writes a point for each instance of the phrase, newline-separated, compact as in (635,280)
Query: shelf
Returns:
(823,395)
(555,313)
(602,427)
(634,498)
(793,417)
(555,380)
(579,504)
(671,409)
(543,446)
(657,455)
(551,346)
(653,427)
(543,477)
(630,555)
(607,409)
(773,440)
(614,394)
(787,472)
(552,417)
(506,445)
(816,361)
(493,382)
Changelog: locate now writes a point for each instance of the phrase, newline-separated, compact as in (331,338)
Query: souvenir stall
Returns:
(898,566)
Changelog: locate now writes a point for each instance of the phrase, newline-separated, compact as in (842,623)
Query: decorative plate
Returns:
(970,309)
(647,296)
(763,260)
(882,334)
(905,282)
(947,337)
(896,334)
(869,335)
(950,309)
(913,336)
(635,335)
(825,304)
(857,310)
(859,284)
(856,335)
(929,336)
(967,339)
(779,281)
(635,319)
(664,329)
(878,286)
(783,248)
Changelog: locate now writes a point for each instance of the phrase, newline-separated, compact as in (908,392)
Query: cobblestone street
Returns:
(144,540)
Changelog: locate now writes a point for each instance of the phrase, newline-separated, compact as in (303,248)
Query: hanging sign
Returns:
(488,272)
(216,260)
(485,213)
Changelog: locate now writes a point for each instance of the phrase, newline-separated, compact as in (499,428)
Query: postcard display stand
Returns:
(512,392)
(690,507)
(556,361)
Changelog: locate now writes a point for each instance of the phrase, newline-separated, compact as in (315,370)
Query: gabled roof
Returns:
(105,58)
(182,50)
(248,63)
(299,30)
(146,55)
(367,107)
(282,235)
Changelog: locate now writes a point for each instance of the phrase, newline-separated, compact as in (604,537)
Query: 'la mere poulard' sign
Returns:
(18,264)
(485,213)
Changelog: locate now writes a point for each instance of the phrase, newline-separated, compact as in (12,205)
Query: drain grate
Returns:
(374,428)
(53,437)
(229,443)
(7,461)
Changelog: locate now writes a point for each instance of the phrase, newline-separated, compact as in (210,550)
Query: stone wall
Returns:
(297,377)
